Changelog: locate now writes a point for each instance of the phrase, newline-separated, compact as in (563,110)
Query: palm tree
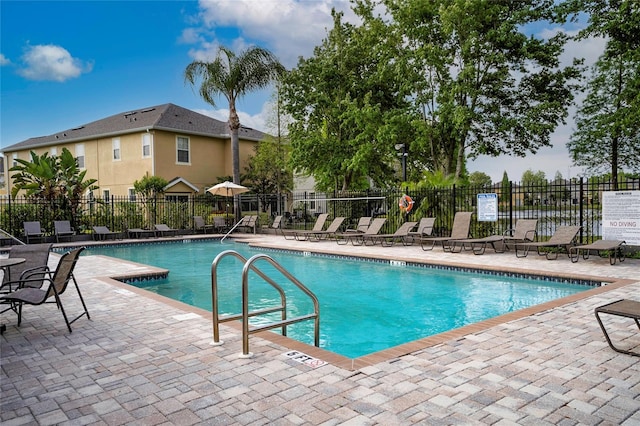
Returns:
(234,76)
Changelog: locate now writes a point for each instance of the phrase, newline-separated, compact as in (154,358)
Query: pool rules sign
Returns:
(621,216)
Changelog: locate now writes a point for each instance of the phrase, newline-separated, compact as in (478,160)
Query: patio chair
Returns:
(613,249)
(331,230)
(163,230)
(62,228)
(220,224)
(562,239)
(276,225)
(357,238)
(318,226)
(201,225)
(140,232)
(424,229)
(55,285)
(249,223)
(387,240)
(102,233)
(525,231)
(32,230)
(625,308)
(460,230)
(363,224)
(36,258)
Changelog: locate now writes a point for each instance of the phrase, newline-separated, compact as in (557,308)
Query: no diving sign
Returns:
(621,216)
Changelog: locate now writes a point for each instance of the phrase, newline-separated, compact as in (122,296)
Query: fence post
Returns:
(581,207)
(510,205)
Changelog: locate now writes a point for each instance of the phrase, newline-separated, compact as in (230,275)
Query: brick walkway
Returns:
(143,360)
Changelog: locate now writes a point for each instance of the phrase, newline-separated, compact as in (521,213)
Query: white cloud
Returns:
(52,63)
(255,121)
(289,28)
(4,60)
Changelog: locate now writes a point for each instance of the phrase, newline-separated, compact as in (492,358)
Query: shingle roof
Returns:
(168,117)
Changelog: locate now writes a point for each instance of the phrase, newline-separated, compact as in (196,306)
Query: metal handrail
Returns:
(12,237)
(246,314)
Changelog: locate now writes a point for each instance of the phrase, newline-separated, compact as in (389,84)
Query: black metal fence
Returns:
(564,202)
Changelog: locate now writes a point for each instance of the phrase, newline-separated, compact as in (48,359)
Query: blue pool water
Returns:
(365,306)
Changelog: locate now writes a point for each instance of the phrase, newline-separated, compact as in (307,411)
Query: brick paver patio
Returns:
(144,360)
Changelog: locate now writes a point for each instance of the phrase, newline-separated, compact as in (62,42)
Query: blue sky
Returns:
(64,64)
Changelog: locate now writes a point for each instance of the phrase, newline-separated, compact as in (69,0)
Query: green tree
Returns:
(52,179)
(150,187)
(607,134)
(505,193)
(267,171)
(233,76)
(483,85)
(349,103)
(480,179)
(535,185)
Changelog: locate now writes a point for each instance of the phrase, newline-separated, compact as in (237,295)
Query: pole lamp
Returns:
(403,155)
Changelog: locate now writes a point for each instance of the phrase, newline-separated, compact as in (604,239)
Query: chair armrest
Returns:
(531,235)
(509,232)
(28,273)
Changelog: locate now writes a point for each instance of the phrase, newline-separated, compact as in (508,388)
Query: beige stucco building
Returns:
(188,149)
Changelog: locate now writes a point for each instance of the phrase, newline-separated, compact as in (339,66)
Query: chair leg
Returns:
(84,306)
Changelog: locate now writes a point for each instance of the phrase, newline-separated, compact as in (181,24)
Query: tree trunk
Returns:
(234,125)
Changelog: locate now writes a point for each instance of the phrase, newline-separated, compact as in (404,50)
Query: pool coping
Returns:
(395,352)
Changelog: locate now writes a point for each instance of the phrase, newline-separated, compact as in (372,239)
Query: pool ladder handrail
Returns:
(246,314)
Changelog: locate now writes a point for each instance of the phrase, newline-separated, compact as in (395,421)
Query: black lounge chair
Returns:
(163,230)
(55,285)
(32,230)
(562,239)
(621,308)
(613,248)
(102,233)
(140,232)
(62,229)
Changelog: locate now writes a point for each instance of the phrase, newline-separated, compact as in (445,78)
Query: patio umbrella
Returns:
(227,189)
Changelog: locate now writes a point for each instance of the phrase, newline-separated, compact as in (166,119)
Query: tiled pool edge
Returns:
(397,351)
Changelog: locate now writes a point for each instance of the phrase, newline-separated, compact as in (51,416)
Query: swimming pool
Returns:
(365,306)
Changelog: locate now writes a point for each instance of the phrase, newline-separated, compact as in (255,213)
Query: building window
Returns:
(14,158)
(146,145)
(53,151)
(132,194)
(80,155)
(182,145)
(106,195)
(312,203)
(177,198)
(115,145)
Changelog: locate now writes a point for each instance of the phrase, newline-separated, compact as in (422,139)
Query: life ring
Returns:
(405,203)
